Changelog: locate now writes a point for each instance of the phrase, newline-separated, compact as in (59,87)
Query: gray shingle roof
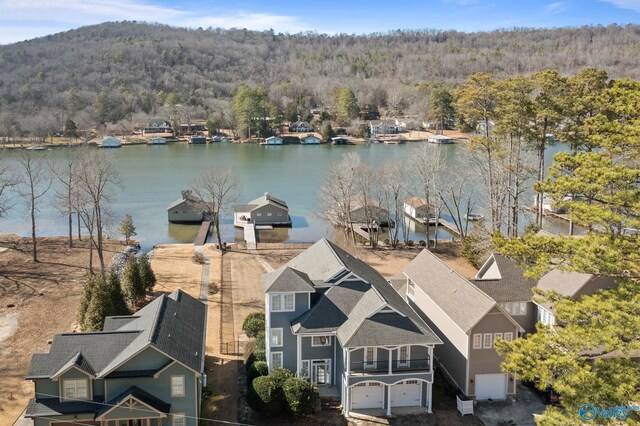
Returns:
(288,280)
(392,329)
(49,407)
(139,394)
(172,324)
(567,283)
(460,299)
(512,286)
(345,307)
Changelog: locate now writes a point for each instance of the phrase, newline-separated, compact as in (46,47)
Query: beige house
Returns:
(188,209)
(468,321)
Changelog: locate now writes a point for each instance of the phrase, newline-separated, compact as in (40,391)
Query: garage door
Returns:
(366,395)
(406,394)
(491,386)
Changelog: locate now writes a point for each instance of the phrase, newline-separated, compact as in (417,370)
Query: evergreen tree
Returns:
(127,228)
(99,307)
(117,300)
(70,129)
(87,290)
(131,281)
(327,131)
(346,105)
(146,273)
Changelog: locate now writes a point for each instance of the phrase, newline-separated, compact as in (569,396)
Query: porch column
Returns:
(390,359)
(347,399)
(348,362)
(429,397)
(299,356)
(388,400)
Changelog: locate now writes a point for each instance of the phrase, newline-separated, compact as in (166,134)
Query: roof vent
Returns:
(169,335)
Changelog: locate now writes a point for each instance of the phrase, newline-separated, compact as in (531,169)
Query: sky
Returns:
(26,19)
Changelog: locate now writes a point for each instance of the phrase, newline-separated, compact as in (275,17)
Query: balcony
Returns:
(422,365)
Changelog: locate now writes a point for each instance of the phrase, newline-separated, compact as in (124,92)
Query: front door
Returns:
(321,372)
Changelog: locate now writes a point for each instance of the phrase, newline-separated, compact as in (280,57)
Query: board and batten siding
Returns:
(454,352)
(487,361)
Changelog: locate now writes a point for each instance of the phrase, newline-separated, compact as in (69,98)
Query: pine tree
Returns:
(99,306)
(87,290)
(127,229)
(147,275)
(132,282)
(118,302)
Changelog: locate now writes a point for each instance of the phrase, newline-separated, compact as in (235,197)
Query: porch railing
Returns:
(382,367)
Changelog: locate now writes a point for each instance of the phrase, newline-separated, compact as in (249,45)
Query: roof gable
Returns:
(512,286)
(289,280)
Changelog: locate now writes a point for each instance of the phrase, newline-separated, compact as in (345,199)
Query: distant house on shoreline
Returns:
(300,127)
(188,209)
(156,126)
(310,140)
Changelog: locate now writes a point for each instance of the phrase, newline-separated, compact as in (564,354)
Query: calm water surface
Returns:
(153,177)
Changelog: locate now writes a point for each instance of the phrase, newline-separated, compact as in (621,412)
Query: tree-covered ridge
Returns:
(137,67)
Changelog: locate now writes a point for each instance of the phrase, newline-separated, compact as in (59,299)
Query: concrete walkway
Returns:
(520,413)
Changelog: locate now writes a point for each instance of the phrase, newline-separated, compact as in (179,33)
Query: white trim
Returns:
(88,385)
(486,336)
(370,363)
(508,335)
(281,330)
(184,385)
(119,404)
(179,415)
(479,342)
(407,362)
(327,336)
(157,374)
(282,302)
(308,362)
(281,359)
(60,373)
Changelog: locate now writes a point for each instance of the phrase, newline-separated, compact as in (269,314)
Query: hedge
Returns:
(265,393)
(302,396)
(257,369)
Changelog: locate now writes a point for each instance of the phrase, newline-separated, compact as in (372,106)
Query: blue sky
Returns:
(26,19)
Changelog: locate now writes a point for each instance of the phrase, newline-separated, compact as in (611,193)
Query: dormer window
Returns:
(74,389)
(282,302)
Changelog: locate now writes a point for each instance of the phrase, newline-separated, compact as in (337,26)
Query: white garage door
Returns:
(406,394)
(366,395)
(491,386)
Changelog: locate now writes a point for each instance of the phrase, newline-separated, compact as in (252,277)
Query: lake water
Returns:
(153,177)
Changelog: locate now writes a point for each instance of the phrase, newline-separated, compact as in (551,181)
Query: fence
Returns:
(272,246)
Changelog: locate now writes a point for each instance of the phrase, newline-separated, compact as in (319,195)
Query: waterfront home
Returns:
(468,321)
(369,211)
(572,285)
(272,140)
(157,140)
(383,127)
(503,280)
(264,210)
(300,127)
(188,209)
(310,140)
(197,127)
(440,139)
(156,126)
(334,320)
(340,140)
(145,369)
(419,209)
(110,142)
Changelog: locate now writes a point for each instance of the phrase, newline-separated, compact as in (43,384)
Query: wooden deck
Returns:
(201,238)
(250,236)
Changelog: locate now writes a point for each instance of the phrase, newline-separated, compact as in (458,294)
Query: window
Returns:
(276,337)
(515,308)
(258,214)
(411,289)
(276,360)
(497,336)
(179,420)
(282,302)
(177,386)
(304,369)
(370,357)
(279,213)
(508,337)
(269,214)
(477,341)
(488,343)
(403,356)
(321,341)
(75,389)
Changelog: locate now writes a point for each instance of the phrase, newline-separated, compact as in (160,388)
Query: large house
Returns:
(188,209)
(300,127)
(264,210)
(569,284)
(504,281)
(335,320)
(146,369)
(468,321)
(155,126)
(385,127)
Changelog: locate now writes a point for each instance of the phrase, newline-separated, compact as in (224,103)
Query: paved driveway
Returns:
(519,413)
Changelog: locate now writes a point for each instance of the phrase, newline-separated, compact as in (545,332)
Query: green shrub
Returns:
(265,396)
(302,396)
(253,324)
(250,360)
(260,351)
(280,375)
(260,354)
(257,369)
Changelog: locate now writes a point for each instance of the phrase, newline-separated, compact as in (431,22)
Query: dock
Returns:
(203,233)
(250,236)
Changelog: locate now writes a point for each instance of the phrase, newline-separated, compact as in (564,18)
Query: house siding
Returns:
(45,388)
(274,219)
(184,213)
(317,352)
(148,359)
(528,321)
(487,361)
(289,340)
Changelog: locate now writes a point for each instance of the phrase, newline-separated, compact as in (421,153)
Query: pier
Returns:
(250,236)
(203,233)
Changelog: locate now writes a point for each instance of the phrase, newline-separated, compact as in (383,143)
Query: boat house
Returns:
(266,210)
(440,139)
(110,142)
(188,209)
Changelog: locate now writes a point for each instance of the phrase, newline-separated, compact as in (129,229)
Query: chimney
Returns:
(267,196)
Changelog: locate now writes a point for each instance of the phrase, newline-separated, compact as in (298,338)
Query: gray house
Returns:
(265,210)
(146,369)
(468,321)
(188,209)
(335,320)
(503,280)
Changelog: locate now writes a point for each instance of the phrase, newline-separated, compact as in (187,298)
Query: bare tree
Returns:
(66,172)
(336,194)
(392,192)
(459,198)
(427,163)
(97,178)
(218,189)
(34,182)
(8,180)
(365,189)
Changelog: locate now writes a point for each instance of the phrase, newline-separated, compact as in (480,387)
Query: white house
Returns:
(110,142)
(272,140)
(310,140)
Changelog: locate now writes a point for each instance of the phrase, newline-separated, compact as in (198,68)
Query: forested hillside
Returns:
(113,71)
